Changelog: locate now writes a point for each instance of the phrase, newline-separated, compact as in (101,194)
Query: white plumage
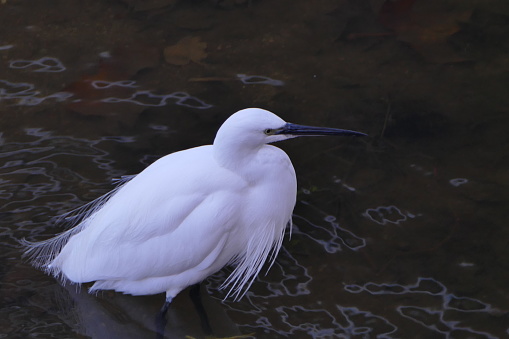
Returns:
(187,215)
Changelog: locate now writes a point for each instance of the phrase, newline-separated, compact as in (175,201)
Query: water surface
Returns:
(400,235)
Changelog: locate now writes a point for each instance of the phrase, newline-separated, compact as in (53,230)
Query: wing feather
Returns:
(149,221)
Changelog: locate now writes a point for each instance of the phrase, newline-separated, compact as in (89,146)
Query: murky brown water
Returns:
(403,235)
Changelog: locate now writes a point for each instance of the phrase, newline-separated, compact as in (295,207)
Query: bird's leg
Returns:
(195,295)
(161,318)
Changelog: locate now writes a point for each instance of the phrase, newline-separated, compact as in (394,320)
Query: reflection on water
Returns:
(36,177)
(387,214)
(441,317)
(332,238)
(45,64)
(24,94)
(100,84)
(259,80)
(147,98)
(458,181)
(347,322)
(33,176)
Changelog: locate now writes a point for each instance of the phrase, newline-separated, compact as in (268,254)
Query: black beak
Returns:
(298,130)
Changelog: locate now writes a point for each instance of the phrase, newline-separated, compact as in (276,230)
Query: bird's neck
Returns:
(234,158)
(237,157)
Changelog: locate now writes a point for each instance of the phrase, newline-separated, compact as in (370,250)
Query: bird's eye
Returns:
(268,131)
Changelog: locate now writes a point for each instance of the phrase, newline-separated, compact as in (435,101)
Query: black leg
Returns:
(195,295)
(161,318)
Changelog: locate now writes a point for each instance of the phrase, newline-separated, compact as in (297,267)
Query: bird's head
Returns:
(254,127)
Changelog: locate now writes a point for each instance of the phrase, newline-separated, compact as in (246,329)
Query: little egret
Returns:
(187,215)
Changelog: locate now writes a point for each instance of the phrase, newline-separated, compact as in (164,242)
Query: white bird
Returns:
(188,215)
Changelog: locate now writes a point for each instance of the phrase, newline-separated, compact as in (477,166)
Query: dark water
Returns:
(402,235)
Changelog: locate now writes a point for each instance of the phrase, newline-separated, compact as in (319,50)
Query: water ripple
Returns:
(44,64)
(384,215)
(438,319)
(34,179)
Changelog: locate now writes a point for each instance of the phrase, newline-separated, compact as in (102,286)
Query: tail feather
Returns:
(41,254)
